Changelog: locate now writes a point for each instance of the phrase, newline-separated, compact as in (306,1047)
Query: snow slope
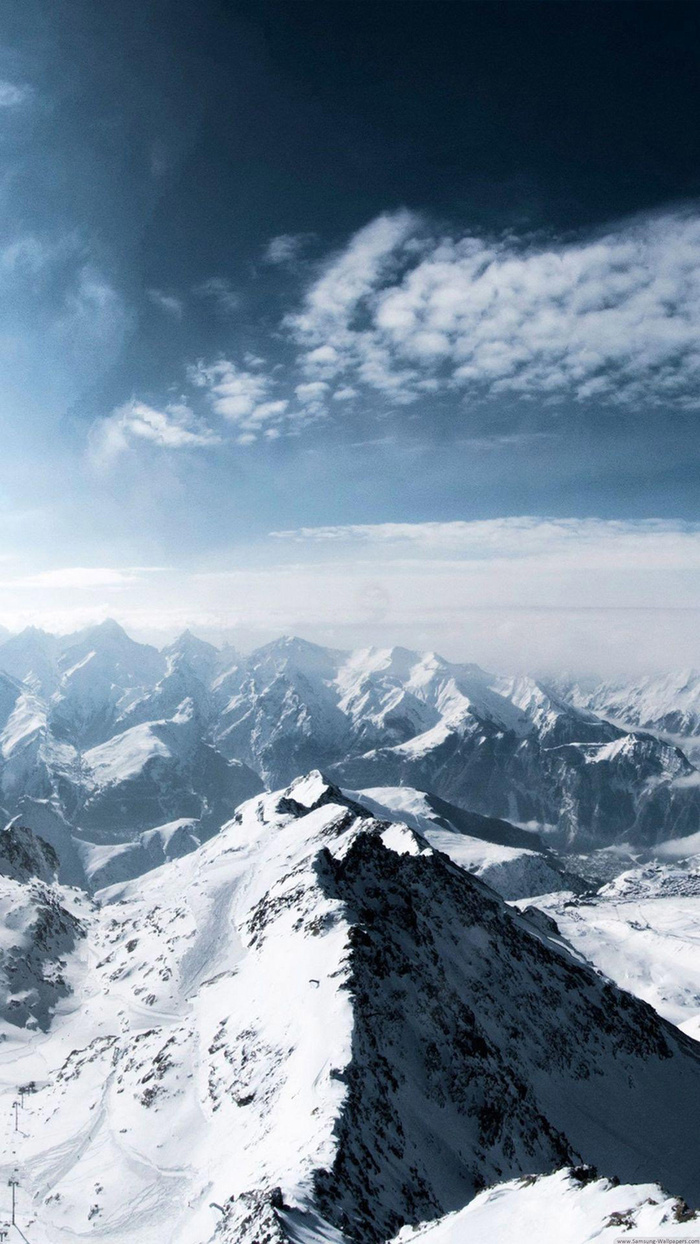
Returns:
(643,931)
(483,845)
(565,1208)
(316,1027)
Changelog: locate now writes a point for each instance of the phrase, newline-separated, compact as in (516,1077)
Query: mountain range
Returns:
(123,756)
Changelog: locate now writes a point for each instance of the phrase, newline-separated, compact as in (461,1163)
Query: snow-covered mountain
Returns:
(506,748)
(643,931)
(668,702)
(117,739)
(315,1027)
(115,747)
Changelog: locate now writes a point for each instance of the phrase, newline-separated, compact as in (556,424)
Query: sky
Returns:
(371,322)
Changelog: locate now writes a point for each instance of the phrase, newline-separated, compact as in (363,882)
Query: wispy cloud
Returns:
(222,293)
(579,542)
(175,427)
(285,248)
(614,317)
(13,94)
(168,303)
(82,577)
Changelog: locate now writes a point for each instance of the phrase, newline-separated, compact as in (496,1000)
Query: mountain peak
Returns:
(290,650)
(110,627)
(188,641)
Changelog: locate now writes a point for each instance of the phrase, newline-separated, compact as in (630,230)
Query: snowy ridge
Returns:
(566,1208)
(511,860)
(667,702)
(324,1027)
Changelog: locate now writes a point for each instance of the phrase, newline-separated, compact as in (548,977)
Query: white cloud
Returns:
(567,546)
(325,322)
(12,95)
(608,317)
(81,577)
(247,399)
(94,316)
(176,427)
(166,302)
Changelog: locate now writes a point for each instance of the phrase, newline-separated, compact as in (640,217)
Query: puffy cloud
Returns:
(325,321)
(175,427)
(247,398)
(608,317)
(241,396)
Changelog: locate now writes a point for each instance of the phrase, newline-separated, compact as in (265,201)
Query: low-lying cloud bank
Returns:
(524,592)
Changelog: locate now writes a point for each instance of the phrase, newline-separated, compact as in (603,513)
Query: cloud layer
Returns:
(527,592)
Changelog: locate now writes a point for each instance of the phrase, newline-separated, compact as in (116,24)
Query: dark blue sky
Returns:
(272,266)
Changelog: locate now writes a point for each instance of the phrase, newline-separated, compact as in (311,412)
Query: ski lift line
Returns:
(13,1183)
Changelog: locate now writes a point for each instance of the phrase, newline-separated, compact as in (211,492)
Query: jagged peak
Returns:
(311,791)
(188,640)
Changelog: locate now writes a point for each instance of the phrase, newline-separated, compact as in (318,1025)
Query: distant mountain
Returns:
(511,749)
(32,658)
(101,672)
(317,1028)
(668,703)
(119,739)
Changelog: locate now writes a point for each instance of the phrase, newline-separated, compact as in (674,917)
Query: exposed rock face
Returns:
(40,930)
(24,855)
